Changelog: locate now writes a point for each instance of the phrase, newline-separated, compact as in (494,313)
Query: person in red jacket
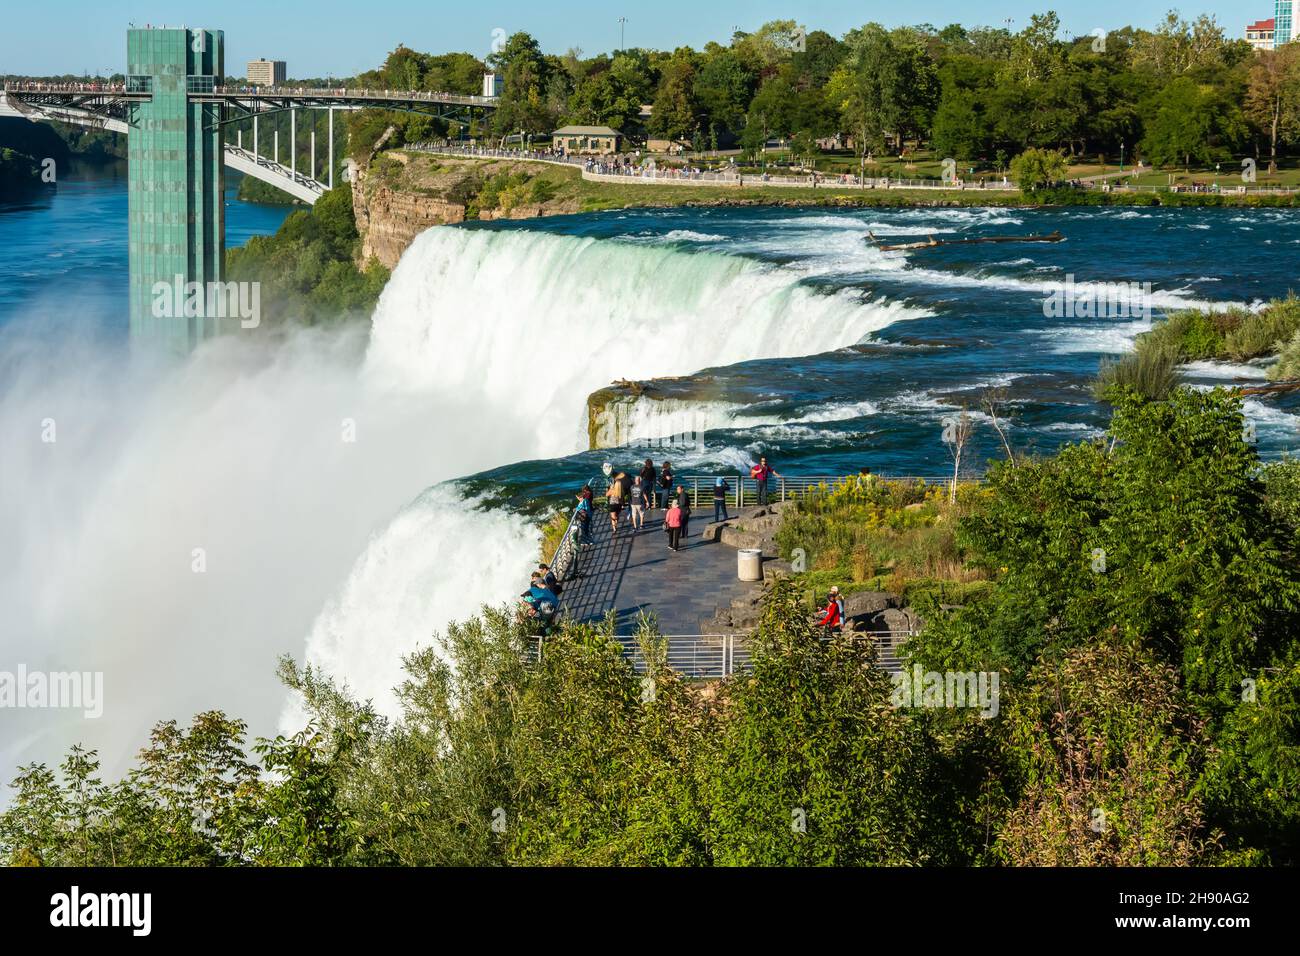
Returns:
(832,619)
(762,473)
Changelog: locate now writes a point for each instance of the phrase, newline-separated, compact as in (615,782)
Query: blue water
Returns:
(984,328)
(63,251)
(333,549)
(977,320)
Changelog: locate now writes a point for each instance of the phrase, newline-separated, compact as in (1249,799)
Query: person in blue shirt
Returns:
(720,489)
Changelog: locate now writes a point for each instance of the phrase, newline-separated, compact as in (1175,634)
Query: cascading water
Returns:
(520,328)
(192,523)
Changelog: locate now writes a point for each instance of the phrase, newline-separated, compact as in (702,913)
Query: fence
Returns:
(718,656)
(743,490)
(594,170)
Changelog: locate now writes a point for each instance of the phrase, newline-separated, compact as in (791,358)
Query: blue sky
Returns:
(328,36)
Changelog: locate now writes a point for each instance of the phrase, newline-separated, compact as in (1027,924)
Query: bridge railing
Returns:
(347,92)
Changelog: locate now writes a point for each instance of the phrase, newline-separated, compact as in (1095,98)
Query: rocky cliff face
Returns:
(390,218)
(398,195)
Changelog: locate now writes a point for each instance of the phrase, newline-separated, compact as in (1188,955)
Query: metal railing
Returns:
(743,490)
(565,559)
(718,656)
(354,93)
(597,170)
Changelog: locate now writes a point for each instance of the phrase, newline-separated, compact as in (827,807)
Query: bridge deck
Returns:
(635,572)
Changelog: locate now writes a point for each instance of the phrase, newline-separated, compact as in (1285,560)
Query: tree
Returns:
(867,89)
(1035,53)
(723,89)
(1178,47)
(1035,168)
(1106,757)
(524,71)
(1273,96)
(676,115)
(814,765)
(1181,127)
(1081,546)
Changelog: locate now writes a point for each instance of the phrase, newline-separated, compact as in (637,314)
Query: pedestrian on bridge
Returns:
(583,517)
(638,504)
(615,495)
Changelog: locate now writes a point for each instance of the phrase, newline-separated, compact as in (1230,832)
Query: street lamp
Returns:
(1121,156)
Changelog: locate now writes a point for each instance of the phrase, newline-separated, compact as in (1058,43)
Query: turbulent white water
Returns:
(188,524)
(645,419)
(530,323)
(519,328)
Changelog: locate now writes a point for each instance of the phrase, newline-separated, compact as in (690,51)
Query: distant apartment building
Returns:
(1260,34)
(266,72)
(493,84)
(1284,25)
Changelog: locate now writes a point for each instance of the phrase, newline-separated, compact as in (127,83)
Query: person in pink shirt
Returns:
(673,523)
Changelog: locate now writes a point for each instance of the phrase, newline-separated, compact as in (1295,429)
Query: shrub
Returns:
(1149,372)
(1287,366)
(1264,332)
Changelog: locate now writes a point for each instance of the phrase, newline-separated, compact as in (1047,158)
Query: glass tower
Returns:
(176,182)
(1283,15)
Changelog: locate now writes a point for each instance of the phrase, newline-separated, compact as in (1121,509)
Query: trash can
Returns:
(749,564)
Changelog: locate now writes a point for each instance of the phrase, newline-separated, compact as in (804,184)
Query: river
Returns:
(341,496)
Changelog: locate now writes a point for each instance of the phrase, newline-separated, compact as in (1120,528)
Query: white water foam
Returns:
(520,327)
(193,522)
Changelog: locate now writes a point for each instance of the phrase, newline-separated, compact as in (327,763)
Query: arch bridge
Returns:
(175,109)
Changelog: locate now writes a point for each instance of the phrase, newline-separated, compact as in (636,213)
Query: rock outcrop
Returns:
(389,219)
(397,195)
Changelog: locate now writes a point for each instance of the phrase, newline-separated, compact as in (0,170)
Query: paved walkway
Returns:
(635,572)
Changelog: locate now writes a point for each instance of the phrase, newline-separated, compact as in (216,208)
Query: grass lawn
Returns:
(1228,177)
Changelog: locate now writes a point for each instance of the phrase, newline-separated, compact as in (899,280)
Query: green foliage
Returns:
(18,172)
(1141,613)
(1035,168)
(1282,494)
(1105,756)
(868,534)
(307,270)
(815,767)
(1264,332)
(1236,335)
(1191,562)
(1150,371)
(1288,361)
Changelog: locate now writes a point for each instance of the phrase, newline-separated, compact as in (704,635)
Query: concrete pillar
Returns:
(331,134)
(313,150)
(254,136)
(293,143)
(277,145)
